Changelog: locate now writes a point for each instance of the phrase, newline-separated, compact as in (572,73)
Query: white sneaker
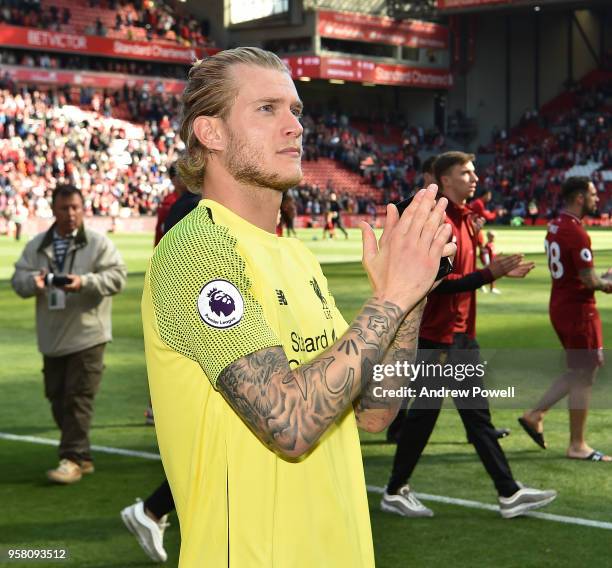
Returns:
(150,535)
(404,503)
(484,289)
(495,291)
(524,500)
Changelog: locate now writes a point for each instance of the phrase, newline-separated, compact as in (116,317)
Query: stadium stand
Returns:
(120,166)
(369,157)
(568,136)
(366,162)
(32,59)
(326,172)
(121,20)
(388,169)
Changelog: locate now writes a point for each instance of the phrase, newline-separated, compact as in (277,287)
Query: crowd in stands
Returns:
(143,104)
(158,20)
(140,104)
(31,14)
(121,168)
(313,201)
(524,169)
(527,168)
(392,169)
(41,145)
(26,58)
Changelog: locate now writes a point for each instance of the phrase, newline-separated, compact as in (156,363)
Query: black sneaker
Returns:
(499,434)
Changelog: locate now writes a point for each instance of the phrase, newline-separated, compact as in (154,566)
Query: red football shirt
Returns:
(568,249)
(487,253)
(162,215)
(478,207)
(447,314)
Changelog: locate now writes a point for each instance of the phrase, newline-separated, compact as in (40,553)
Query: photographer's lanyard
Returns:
(56,260)
(56,297)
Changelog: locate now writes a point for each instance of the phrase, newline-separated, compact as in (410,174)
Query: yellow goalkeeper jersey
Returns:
(217,289)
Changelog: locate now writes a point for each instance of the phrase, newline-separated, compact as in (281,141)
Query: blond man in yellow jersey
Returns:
(258,384)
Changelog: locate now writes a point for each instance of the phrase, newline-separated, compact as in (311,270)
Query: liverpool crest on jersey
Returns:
(319,294)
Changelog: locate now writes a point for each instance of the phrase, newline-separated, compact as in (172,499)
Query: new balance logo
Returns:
(282,301)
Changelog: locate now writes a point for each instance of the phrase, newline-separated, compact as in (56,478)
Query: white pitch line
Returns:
(489,507)
(371,488)
(101,449)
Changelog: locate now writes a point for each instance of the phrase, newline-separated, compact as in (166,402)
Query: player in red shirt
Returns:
(448,335)
(167,203)
(487,256)
(162,214)
(574,317)
(482,216)
(329,225)
(487,251)
(479,206)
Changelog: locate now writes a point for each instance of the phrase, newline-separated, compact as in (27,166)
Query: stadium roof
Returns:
(463,6)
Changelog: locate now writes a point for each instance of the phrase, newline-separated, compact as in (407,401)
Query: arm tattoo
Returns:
(289,410)
(403,348)
(592,280)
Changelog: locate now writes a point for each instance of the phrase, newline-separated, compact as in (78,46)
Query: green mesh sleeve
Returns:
(202,296)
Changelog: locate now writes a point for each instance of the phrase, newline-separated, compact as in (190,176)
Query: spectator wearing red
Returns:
(487,256)
(167,203)
(487,251)
(482,216)
(479,206)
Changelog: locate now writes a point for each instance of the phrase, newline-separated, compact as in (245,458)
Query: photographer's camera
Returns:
(57,280)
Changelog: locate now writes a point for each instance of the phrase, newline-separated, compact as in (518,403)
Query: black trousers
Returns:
(337,221)
(160,502)
(423,414)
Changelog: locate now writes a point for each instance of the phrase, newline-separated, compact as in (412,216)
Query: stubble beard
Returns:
(243,163)
(588,210)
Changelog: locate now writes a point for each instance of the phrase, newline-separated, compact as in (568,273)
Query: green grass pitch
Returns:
(85,517)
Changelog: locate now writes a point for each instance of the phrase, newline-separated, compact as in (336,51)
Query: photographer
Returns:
(72,271)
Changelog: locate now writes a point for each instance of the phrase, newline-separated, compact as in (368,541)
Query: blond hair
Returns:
(211,91)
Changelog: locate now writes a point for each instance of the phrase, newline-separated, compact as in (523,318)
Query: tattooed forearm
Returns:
(289,410)
(403,349)
(592,280)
